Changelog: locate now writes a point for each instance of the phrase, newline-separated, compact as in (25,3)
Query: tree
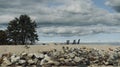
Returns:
(22,30)
(3,37)
(13,31)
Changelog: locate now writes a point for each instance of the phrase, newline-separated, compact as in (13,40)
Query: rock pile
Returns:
(66,57)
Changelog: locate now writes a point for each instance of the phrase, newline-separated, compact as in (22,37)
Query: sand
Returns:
(35,48)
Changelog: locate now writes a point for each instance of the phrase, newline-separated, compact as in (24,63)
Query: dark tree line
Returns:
(20,31)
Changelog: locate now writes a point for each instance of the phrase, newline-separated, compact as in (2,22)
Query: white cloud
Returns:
(5,18)
(74,17)
(113,2)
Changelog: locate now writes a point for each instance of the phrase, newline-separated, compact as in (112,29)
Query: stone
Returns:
(106,63)
(23,54)
(46,57)
(14,58)
(53,63)
(71,55)
(19,66)
(30,55)
(1,60)
(43,61)
(30,61)
(61,59)
(66,60)
(77,59)
(39,55)
(22,61)
(6,62)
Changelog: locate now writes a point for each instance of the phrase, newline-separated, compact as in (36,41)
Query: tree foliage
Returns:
(3,37)
(22,30)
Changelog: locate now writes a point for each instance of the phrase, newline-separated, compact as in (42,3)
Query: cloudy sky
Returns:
(60,20)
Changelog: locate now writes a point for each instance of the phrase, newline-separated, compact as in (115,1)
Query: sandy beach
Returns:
(35,48)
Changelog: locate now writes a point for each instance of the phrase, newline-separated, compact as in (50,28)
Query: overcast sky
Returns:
(59,20)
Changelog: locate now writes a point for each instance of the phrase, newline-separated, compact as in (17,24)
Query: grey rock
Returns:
(77,59)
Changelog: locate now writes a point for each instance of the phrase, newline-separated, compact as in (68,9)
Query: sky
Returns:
(61,20)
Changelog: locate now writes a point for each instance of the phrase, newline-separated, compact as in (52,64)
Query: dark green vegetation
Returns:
(19,31)
(3,37)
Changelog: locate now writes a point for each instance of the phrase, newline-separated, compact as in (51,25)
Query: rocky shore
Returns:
(67,56)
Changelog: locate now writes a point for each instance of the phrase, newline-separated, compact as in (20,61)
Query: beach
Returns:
(35,48)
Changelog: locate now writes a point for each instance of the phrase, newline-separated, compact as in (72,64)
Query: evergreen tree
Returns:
(22,30)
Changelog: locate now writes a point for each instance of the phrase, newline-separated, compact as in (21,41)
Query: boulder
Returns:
(6,62)
(72,55)
(14,58)
(30,62)
(77,59)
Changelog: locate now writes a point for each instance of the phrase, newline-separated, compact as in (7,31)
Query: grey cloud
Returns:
(115,4)
(117,8)
(78,31)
